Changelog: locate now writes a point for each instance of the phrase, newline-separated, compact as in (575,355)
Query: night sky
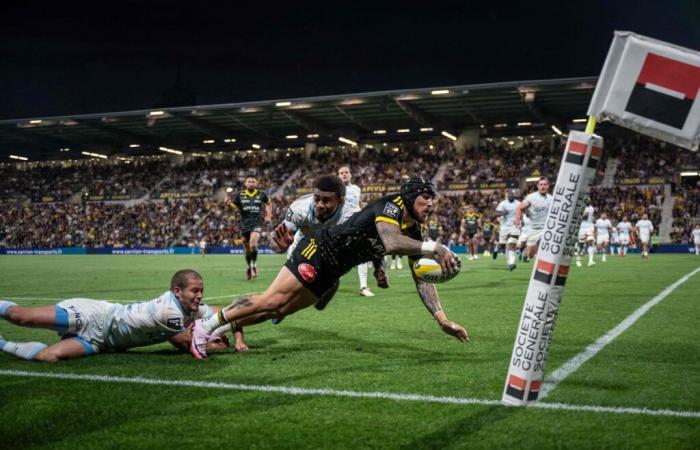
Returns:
(62,58)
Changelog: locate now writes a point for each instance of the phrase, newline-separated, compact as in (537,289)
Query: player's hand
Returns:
(518,221)
(454,329)
(448,260)
(382,278)
(241,346)
(282,237)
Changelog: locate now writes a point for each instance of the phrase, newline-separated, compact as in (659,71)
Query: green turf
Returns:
(387,343)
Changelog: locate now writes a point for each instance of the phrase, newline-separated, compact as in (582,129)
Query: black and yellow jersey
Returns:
(251,205)
(433,228)
(356,241)
(487,230)
(471,222)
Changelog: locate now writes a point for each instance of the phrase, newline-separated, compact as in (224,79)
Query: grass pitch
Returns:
(386,344)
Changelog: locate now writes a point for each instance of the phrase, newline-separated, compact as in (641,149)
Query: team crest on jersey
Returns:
(289,215)
(174,322)
(307,272)
(391,210)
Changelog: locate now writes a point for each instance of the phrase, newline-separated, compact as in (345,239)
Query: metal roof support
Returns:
(305,122)
(211,129)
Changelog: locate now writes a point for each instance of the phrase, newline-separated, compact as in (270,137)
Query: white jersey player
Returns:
(89,326)
(324,207)
(586,236)
(614,241)
(624,228)
(602,234)
(537,206)
(353,196)
(644,229)
(509,233)
(696,238)
(302,216)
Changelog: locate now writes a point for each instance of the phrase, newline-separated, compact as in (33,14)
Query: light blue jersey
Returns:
(149,322)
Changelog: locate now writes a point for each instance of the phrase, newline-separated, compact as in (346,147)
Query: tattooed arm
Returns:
(396,243)
(429,296)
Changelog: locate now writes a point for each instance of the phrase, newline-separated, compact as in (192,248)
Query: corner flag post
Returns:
(550,271)
(646,85)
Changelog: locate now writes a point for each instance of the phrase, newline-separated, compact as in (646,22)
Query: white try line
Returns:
(289,390)
(572,365)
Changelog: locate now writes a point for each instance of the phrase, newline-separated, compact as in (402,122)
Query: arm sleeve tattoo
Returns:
(395,242)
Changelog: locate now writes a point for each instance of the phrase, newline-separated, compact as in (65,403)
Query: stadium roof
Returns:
(519,107)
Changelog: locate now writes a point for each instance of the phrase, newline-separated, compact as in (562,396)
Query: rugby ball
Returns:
(429,270)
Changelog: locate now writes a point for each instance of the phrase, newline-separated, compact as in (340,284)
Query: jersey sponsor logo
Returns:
(290,215)
(392,210)
(174,322)
(307,272)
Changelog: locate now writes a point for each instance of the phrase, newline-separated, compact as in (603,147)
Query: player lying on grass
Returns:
(388,225)
(326,206)
(90,326)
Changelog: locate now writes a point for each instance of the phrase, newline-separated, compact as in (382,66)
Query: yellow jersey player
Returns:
(252,204)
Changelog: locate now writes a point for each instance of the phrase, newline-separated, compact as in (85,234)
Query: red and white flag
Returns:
(651,87)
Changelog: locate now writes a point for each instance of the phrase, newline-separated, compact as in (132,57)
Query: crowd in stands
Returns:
(686,213)
(74,220)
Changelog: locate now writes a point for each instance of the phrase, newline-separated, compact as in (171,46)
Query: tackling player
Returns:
(624,228)
(89,326)
(508,234)
(644,229)
(353,196)
(250,203)
(602,235)
(536,204)
(325,207)
(390,224)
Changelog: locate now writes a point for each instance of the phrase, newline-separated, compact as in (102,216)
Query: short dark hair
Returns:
(182,278)
(330,183)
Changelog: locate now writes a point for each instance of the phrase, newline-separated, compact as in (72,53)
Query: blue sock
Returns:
(4,306)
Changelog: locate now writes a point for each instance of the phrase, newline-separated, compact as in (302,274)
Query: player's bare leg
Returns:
(253,245)
(40,317)
(284,296)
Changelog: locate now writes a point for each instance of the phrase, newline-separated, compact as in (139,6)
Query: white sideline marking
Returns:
(572,365)
(342,393)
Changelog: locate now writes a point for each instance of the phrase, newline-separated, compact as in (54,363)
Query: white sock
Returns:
(213,322)
(362,272)
(511,257)
(591,252)
(24,350)
(624,250)
(4,306)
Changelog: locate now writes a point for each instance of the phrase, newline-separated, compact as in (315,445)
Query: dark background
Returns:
(63,58)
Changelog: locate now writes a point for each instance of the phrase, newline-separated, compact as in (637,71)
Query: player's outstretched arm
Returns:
(429,296)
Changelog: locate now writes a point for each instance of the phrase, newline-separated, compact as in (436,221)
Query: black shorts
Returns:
(308,267)
(470,234)
(245,232)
